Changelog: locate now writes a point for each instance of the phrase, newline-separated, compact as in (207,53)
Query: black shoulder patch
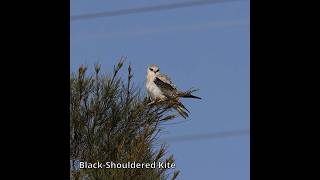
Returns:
(162,84)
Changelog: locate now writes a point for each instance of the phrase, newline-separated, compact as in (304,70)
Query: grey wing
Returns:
(165,84)
(166,79)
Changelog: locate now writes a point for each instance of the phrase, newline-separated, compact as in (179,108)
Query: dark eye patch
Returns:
(151,69)
(158,70)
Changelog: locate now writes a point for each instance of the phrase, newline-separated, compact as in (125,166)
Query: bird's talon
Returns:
(150,103)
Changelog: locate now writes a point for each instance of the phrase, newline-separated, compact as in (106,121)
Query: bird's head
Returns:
(153,70)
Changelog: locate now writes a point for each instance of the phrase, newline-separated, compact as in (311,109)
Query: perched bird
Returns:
(160,88)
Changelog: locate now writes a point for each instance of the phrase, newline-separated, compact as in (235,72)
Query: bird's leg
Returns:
(160,100)
(150,103)
(157,100)
(153,101)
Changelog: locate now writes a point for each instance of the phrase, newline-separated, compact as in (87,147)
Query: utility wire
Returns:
(208,136)
(146,9)
(157,30)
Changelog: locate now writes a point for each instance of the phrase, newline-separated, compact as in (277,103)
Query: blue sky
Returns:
(206,47)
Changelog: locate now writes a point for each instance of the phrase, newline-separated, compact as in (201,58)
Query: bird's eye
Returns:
(151,69)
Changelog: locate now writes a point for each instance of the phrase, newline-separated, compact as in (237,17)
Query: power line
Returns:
(156,30)
(146,9)
(208,136)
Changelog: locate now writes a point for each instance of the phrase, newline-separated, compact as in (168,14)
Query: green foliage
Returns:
(111,121)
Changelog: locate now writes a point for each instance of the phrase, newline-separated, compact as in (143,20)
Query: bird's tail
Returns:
(181,109)
(187,94)
(190,96)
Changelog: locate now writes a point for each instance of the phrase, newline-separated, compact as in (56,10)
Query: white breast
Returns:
(153,91)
